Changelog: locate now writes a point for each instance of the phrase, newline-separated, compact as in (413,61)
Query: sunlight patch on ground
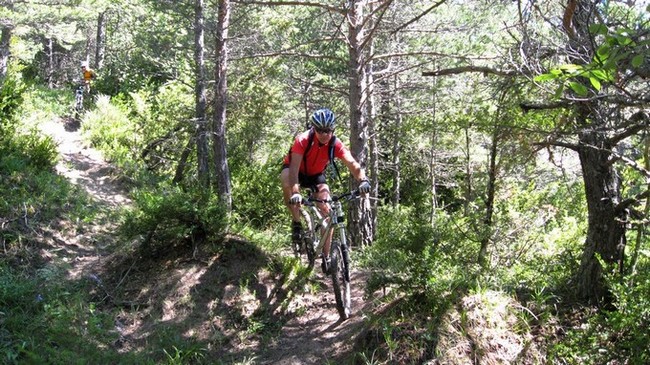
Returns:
(484,328)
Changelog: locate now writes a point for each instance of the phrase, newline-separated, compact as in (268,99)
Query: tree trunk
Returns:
(606,229)
(360,222)
(203,169)
(434,142)
(468,173)
(641,229)
(486,234)
(5,53)
(49,68)
(101,40)
(606,223)
(371,112)
(397,145)
(222,173)
(179,175)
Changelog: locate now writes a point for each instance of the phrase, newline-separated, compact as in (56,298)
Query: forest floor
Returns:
(228,301)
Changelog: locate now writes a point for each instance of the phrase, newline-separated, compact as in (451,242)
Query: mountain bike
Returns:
(317,228)
(79,100)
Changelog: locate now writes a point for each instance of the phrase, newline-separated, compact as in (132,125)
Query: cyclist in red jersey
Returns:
(307,170)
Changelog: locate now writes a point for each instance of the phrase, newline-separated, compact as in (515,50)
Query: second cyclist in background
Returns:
(88,74)
(305,164)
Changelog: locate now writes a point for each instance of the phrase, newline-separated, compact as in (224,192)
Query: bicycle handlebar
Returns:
(351,195)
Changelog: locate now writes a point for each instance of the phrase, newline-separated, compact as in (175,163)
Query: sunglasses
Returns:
(324,130)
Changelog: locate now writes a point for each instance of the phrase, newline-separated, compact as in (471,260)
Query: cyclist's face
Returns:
(323,135)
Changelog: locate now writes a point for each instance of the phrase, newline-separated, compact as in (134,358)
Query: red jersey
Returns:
(317,155)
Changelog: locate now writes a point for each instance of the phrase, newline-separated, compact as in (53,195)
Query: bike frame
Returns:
(326,225)
(79,97)
(332,225)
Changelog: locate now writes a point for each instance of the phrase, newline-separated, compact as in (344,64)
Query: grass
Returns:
(51,323)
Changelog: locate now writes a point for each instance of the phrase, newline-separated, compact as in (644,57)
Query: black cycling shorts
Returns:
(310,182)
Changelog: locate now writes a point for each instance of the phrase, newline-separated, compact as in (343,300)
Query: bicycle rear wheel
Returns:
(340,280)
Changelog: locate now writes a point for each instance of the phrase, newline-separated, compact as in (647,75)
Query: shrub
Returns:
(257,194)
(110,130)
(417,257)
(168,215)
(11,97)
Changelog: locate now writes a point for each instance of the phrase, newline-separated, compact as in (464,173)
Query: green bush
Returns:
(168,215)
(614,336)
(43,104)
(416,257)
(110,130)
(257,195)
(45,320)
(11,98)
(41,150)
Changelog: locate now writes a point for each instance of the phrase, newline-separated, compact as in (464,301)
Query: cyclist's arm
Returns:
(294,168)
(354,167)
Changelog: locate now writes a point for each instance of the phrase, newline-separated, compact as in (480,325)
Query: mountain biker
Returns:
(88,75)
(308,171)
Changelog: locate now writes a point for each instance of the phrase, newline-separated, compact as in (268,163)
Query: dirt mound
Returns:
(486,328)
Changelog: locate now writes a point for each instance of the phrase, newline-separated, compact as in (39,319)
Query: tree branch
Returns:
(418,17)
(526,107)
(419,53)
(291,3)
(463,69)
(289,51)
(639,122)
(369,36)
(288,54)
(549,143)
(635,200)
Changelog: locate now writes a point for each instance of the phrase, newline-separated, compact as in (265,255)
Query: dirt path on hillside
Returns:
(319,336)
(83,165)
(314,336)
(78,244)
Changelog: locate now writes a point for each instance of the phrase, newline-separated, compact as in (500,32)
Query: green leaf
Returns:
(578,88)
(545,77)
(601,75)
(595,83)
(603,51)
(637,61)
(598,29)
(571,68)
(624,39)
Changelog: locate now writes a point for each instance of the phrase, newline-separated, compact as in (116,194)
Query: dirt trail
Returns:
(82,246)
(318,336)
(313,337)
(83,165)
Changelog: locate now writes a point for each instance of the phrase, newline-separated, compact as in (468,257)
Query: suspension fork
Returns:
(345,252)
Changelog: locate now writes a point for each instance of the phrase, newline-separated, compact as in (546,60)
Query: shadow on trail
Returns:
(71,124)
(236,304)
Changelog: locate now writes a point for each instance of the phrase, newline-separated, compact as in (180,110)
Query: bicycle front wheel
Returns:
(340,280)
(308,238)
